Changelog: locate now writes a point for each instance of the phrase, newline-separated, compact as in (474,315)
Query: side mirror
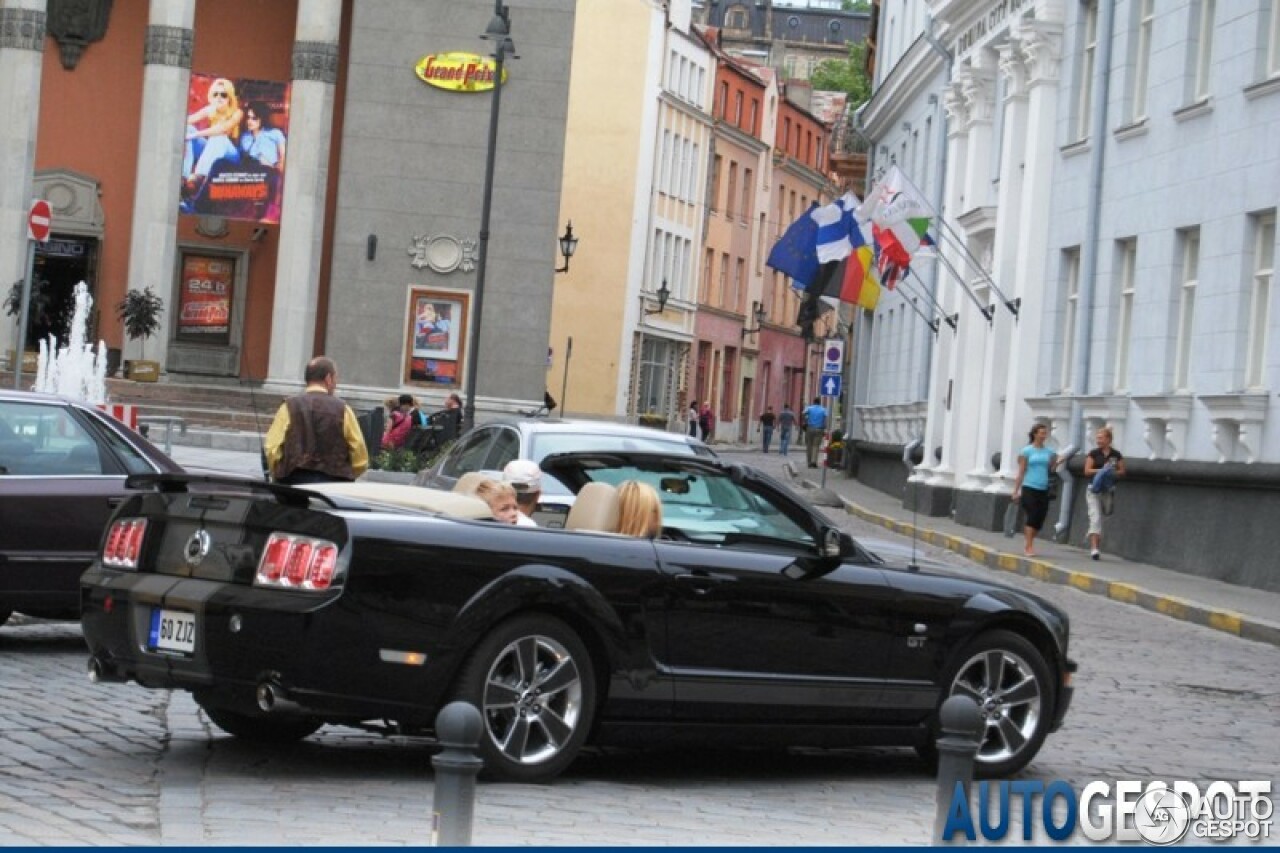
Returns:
(833,542)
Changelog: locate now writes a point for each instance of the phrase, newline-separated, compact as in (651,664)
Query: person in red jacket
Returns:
(401,423)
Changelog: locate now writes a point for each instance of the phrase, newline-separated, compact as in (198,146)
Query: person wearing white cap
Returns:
(526,478)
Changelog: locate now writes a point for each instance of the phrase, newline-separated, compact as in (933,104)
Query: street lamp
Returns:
(499,31)
(568,245)
(757,311)
(663,295)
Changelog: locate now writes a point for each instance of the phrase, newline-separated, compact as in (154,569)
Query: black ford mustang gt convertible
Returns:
(751,619)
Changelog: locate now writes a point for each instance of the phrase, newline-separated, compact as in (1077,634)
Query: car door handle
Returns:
(115,502)
(703,582)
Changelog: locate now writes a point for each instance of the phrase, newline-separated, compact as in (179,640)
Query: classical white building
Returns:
(1108,165)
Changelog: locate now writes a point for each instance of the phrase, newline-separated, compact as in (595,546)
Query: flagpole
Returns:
(922,290)
(1012,304)
(987,310)
(911,302)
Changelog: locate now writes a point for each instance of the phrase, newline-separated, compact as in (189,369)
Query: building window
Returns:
(1264,244)
(1202,44)
(724,278)
(655,368)
(705,289)
(761,242)
(1088,49)
(736,18)
(1071,264)
(716,163)
(731,196)
(1273,41)
(1190,241)
(1124,321)
(664,164)
(1141,59)
(746,209)
(737,109)
(724,99)
(754,128)
(739,285)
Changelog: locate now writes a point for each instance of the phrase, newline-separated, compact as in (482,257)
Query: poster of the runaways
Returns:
(234,153)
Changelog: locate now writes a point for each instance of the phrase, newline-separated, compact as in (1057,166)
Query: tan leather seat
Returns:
(469,482)
(595,508)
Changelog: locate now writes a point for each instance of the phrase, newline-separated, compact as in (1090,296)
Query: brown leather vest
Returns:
(315,440)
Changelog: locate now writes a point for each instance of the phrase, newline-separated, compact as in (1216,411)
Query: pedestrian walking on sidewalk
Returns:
(786,423)
(815,426)
(766,427)
(1031,489)
(693,418)
(315,437)
(1102,466)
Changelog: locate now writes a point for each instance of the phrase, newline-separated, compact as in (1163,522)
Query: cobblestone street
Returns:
(115,764)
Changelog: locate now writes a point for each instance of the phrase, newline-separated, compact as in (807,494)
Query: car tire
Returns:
(533,682)
(260,729)
(1010,681)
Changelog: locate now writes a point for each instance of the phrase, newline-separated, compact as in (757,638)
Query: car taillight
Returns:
(297,562)
(124,543)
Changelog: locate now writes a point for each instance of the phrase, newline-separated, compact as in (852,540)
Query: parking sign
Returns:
(833,355)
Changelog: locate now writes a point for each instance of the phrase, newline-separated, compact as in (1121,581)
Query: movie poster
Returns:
(233,161)
(204,298)
(437,332)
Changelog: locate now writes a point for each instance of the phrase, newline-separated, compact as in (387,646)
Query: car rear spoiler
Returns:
(173,483)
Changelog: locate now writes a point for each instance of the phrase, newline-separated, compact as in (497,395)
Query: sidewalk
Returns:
(1244,611)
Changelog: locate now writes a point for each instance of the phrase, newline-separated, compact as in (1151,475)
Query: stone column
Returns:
(315,71)
(22,30)
(1009,201)
(960,431)
(1041,43)
(153,244)
(931,470)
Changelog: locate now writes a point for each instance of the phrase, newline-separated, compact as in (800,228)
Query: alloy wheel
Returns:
(532,699)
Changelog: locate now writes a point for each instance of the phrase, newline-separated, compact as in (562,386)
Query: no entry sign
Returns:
(39,221)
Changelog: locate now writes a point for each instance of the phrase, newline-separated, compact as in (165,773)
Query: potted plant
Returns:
(140,312)
(39,317)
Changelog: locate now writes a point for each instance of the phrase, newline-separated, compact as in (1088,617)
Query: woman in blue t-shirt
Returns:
(1035,463)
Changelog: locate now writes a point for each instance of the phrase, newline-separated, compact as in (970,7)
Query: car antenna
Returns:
(908,459)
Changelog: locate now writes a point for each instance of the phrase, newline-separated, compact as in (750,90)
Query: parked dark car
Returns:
(490,446)
(62,470)
(751,620)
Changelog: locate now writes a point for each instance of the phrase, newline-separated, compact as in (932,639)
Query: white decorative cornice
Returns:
(1237,424)
(1105,410)
(1165,418)
(1055,413)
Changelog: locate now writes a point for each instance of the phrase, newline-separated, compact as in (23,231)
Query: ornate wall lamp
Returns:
(757,311)
(568,245)
(663,294)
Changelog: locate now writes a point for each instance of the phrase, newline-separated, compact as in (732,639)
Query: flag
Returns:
(816,299)
(899,214)
(859,285)
(796,253)
(838,232)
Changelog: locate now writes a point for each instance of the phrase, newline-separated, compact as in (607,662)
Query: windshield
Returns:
(544,444)
(711,508)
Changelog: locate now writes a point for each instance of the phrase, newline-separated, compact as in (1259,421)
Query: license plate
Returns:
(172,631)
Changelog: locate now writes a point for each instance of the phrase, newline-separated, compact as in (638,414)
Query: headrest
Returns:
(469,482)
(595,508)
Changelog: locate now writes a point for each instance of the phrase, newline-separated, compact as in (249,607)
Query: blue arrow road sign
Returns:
(831,386)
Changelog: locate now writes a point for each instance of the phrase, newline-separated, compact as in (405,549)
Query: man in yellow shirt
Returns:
(315,437)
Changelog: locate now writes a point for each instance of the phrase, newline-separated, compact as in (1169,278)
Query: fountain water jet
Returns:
(76,370)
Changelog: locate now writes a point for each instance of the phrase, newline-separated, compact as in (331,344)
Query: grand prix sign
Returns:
(458,72)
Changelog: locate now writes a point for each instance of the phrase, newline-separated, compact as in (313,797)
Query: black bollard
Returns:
(458,728)
(962,728)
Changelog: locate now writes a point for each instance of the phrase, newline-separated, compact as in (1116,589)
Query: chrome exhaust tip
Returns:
(99,672)
(273,699)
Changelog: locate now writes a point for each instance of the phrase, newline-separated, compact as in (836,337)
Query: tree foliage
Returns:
(845,75)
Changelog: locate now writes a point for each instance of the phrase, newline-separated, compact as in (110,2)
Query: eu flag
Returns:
(796,253)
